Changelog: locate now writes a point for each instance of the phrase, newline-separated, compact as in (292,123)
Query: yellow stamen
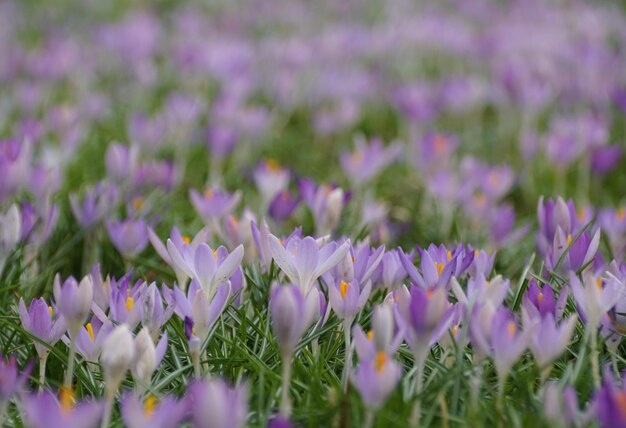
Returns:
(439,267)
(439,144)
(455,330)
(214,253)
(129,303)
(449,254)
(599,283)
(89,329)
(273,165)
(66,398)
(343,288)
(186,239)
(476,253)
(381,360)
(357,156)
(233,220)
(620,398)
(539,298)
(582,213)
(569,240)
(370,335)
(429,293)
(149,405)
(480,198)
(138,203)
(50,310)
(327,190)
(208,193)
(621,213)
(512,328)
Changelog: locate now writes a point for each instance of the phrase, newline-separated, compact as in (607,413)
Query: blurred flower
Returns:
(214,404)
(130,237)
(43,410)
(165,413)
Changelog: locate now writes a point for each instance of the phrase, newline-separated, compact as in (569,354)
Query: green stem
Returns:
(69,373)
(595,366)
(369,419)
(348,363)
(420,360)
(285,403)
(43,359)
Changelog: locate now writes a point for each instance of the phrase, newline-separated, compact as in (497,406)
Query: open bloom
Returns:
(211,268)
(197,309)
(271,179)
(43,410)
(548,340)
(165,413)
(423,316)
(347,298)
(575,254)
(368,160)
(303,262)
(11,381)
(130,237)
(213,204)
(595,296)
(178,241)
(610,403)
(38,321)
(507,342)
(214,404)
(90,339)
(376,378)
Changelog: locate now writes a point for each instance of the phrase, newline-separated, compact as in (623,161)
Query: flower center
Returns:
(381,360)
(66,399)
(149,405)
(208,193)
(89,329)
(439,267)
(138,203)
(129,303)
(539,298)
(186,239)
(512,328)
(370,335)
(343,288)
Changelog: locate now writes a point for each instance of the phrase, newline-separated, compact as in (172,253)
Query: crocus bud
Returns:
(345,268)
(117,355)
(145,357)
(382,326)
(287,309)
(332,213)
(74,300)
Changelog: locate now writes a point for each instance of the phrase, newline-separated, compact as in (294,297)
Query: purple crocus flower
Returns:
(561,405)
(368,160)
(213,204)
(347,298)
(211,268)
(292,313)
(595,295)
(507,342)
(122,307)
(283,205)
(303,262)
(153,314)
(130,237)
(613,223)
(90,339)
(178,240)
(552,214)
(45,411)
(196,306)
(97,202)
(271,179)
(326,203)
(391,273)
(38,321)
(423,316)
(579,252)
(74,300)
(383,337)
(375,379)
(166,413)
(214,404)
(437,270)
(610,403)
(548,341)
(121,161)
(539,302)
(11,381)
(605,158)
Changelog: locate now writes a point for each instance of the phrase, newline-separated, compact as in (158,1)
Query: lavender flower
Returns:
(130,237)
(303,262)
(213,204)
(214,404)
(548,341)
(270,179)
(45,411)
(166,413)
(368,160)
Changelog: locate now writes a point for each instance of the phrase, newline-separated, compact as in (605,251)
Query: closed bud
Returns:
(145,357)
(382,326)
(288,316)
(117,355)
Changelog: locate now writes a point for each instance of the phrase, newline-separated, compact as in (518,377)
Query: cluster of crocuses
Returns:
(446,305)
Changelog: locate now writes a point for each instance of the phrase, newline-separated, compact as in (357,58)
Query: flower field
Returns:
(273,213)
